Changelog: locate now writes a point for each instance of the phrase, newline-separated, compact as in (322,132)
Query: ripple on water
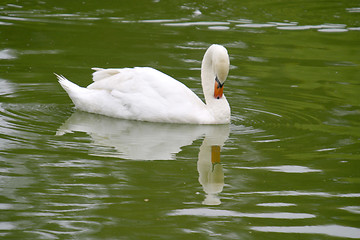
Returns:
(206,212)
(7,54)
(302,193)
(7,226)
(6,88)
(295,109)
(352,209)
(284,169)
(330,230)
(28,125)
(276,204)
(70,227)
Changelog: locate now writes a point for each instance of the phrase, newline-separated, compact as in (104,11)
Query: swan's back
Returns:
(143,82)
(144,93)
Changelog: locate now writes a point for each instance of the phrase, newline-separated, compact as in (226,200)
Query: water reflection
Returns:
(135,140)
(211,175)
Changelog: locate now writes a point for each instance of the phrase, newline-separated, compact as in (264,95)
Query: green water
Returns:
(290,158)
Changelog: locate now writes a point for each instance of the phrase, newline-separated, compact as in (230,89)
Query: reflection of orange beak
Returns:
(218,92)
(215,154)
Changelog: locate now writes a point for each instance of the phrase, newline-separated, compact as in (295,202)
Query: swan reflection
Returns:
(211,175)
(156,141)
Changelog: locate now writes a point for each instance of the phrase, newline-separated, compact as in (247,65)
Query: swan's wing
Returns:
(149,94)
(101,73)
(142,82)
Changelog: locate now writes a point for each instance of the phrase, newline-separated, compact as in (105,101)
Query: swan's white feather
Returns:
(101,73)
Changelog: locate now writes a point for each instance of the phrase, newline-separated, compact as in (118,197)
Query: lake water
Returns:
(287,167)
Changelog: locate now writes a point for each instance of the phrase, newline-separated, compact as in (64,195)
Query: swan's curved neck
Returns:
(207,75)
(214,67)
(215,64)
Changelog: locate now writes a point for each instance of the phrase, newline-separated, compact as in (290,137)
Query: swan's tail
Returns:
(68,86)
(77,94)
(84,99)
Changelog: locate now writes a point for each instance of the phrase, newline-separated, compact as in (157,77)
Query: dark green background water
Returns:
(291,156)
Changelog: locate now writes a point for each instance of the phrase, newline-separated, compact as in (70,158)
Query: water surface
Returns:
(287,167)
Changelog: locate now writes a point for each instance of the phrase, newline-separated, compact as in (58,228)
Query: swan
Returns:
(146,94)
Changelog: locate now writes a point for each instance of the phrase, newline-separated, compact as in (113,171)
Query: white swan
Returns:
(146,94)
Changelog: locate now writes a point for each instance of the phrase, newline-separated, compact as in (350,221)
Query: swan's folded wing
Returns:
(101,73)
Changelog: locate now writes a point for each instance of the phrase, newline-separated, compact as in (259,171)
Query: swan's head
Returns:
(221,65)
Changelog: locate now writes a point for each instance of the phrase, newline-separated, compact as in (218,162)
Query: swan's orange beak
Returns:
(218,92)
